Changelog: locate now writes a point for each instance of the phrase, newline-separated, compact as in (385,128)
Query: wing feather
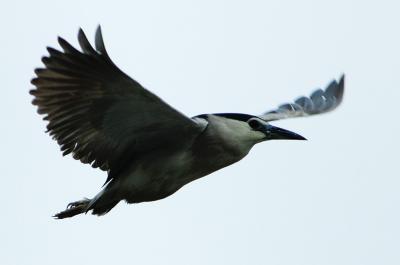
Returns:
(320,101)
(98,113)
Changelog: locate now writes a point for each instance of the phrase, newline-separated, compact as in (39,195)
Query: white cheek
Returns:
(258,136)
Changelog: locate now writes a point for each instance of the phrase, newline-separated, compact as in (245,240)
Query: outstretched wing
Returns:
(98,113)
(320,101)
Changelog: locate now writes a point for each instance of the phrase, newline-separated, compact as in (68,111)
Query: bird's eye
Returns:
(255,124)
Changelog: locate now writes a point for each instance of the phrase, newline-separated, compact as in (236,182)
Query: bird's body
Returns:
(176,167)
(150,150)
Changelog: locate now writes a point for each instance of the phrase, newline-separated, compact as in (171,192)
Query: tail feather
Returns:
(102,210)
(102,203)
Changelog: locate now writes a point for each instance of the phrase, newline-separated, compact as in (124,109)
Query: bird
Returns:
(148,149)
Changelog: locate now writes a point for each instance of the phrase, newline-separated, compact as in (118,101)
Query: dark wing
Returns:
(320,101)
(98,113)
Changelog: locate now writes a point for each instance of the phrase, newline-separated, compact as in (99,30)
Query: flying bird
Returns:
(149,150)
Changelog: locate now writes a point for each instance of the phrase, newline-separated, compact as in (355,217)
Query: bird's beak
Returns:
(276,133)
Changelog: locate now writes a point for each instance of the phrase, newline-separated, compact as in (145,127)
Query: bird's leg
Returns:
(84,201)
(73,209)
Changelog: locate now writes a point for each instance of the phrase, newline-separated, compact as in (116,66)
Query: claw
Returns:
(77,203)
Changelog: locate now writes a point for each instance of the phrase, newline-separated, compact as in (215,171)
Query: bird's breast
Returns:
(159,175)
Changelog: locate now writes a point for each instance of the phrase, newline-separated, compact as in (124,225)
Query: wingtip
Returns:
(342,80)
(82,35)
(80,31)
(99,43)
(98,29)
(340,87)
(32,92)
(61,40)
(98,39)
(336,88)
(35,81)
(85,44)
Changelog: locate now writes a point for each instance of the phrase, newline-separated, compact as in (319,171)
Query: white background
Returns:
(331,200)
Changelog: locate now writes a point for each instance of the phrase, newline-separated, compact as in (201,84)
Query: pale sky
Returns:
(331,200)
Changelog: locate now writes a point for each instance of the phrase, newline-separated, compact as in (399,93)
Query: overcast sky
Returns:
(331,200)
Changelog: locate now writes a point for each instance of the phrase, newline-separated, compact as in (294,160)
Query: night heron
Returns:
(148,149)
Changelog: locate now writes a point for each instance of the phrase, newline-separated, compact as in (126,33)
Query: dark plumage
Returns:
(98,113)
(150,150)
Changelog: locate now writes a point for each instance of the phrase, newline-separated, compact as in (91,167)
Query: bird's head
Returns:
(255,129)
(272,132)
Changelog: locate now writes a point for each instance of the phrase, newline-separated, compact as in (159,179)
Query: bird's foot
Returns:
(84,201)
